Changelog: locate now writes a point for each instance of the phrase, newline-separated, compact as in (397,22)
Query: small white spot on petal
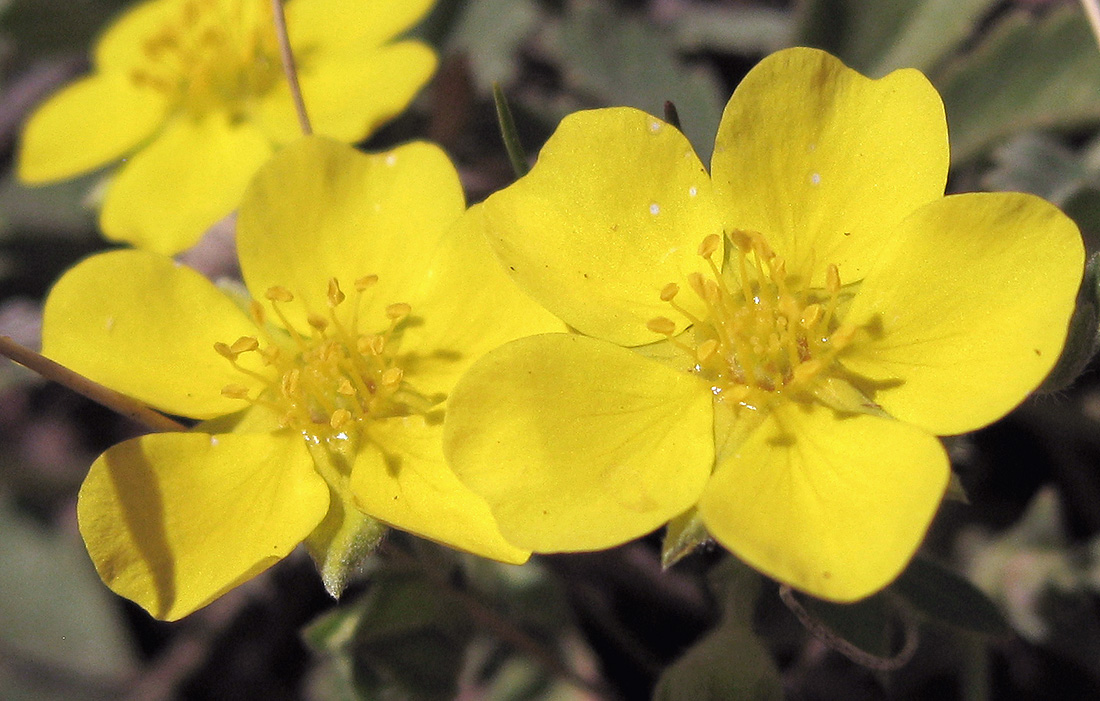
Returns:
(815,179)
(693,191)
(391,159)
(110,325)
(213,441)
(654,126)
(811,147)
(654,209)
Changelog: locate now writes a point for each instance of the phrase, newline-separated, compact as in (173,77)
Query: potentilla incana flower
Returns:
(323,388)
(767,351)
(190,94)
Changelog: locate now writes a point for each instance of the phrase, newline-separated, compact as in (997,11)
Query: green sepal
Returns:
(346,537)
(683,535)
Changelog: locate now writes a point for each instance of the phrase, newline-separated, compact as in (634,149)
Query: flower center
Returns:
(328,379)
(763,333)
(215,53)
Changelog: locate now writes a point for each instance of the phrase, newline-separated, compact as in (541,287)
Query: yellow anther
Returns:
(843,336)
(317,321)
(706,350)
(335,294)
(741,239)
(346,388)
(669,292)
(244,344)
(339,419)
(398,310)
(662,325)
(225,351)
(832,279)
(697,282)
(709,245)
(392,377)
(371,345)
(257,311)
(279,293)
(235,391)
(365,282)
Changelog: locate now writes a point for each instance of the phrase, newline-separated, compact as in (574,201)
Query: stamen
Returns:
(279,294)
(662,325)
(335,295)
(398,310)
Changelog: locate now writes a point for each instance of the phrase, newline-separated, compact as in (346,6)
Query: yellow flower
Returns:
(323,389)
(771,349)
(190,95)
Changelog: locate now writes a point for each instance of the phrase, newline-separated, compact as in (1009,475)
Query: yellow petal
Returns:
(174,520)
(146,327)
(833,506)
(401,478)
(968,309)
(349,93)
(88,124)
(577,444)
(122,45)
(328,23)
(614,210)
(183,182)
(320,209)
(825,162)
(469,307)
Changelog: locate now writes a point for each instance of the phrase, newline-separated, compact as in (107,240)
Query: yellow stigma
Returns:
(328,377)
(214,53)
(763,333)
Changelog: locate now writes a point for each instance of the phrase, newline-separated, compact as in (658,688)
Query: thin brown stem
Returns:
(853,653)
(120,403)
(289,68)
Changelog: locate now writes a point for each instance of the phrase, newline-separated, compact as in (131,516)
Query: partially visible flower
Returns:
(769,351)
(190,95)
(323,391)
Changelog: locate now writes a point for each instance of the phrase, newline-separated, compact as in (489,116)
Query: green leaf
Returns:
(740,29)
(404,637)
(607,58)
(729,664)
(947,597)
(878,37)
(865,623)
(59,628)
(489,33)
(1037,163)
(1024,73)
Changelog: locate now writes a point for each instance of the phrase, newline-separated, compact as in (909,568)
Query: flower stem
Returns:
(289,68)
(120,403)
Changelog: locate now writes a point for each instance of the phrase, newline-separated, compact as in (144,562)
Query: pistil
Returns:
(762,335)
